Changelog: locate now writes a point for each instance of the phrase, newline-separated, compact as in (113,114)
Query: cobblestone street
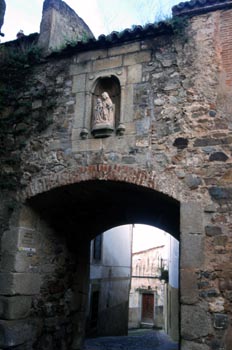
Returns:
(136,340)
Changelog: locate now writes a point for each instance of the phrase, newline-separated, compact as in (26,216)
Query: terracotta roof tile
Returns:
(195,7)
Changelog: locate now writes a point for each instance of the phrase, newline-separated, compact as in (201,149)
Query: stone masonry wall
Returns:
(176,108)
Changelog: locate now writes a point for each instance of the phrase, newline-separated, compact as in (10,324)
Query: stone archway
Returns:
(50,249)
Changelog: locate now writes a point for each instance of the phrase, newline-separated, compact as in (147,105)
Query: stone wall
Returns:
(176,109)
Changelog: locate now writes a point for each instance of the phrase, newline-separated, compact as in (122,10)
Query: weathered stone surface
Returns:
(142,56)
(191,218)
(10,240)
(188,286)
(13,333)
(217,305)
(16,307)
(211,142)
(221,321)
(213,230)
(178,131)
(19,283)
(189,345)
(195,322)
(192,247)
(181,143)
(218,156)
(220,193)
(107,63)
(59,25)
(193,181)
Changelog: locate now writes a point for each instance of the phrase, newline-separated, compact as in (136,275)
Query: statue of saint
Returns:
(98,117)
(104,110)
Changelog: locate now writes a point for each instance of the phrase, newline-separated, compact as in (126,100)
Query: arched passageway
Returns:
(92,207)
(67,218)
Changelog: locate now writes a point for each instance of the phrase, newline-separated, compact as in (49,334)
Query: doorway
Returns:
(147,309)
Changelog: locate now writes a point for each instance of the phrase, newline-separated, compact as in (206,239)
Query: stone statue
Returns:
(104,110)
(98,117)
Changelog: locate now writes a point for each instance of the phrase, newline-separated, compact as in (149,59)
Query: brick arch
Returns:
(95,172)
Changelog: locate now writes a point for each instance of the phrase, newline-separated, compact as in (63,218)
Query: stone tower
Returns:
(59,25)
(2,12)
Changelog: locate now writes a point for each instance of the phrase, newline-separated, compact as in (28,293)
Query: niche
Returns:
(105,106)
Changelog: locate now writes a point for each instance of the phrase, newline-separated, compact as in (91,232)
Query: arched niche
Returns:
(106,99)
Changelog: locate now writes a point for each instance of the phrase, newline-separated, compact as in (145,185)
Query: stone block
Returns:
(213,231)
(10,240)
(107,63)
(90,56)
(228,337)
(80,68)
(192,248)
(189,289)
(19,283)
(87,145)
(181,142)
(221,194)
(124,49)
(121,144)
(79,83)
(218,156)
(16,307)
(134,74)
(195,322)
(221,321)
(79,110)
(217,305)
(139,57)
(191,218)
(130,128)
(27,218)
(19,262)
(13,333)
(7,262)
(192,181)
(119,72)
(128,112)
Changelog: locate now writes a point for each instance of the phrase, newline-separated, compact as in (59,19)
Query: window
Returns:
(97,248)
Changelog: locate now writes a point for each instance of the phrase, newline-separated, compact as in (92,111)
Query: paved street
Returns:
(136,340)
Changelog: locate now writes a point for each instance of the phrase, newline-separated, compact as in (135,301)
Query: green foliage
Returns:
(85,37)
(164,275)
(18,122)
(178,24)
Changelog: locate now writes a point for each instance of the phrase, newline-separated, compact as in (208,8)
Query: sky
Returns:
(145,237)
(102,16)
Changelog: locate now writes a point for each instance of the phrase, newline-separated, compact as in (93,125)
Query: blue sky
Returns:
(102,16)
